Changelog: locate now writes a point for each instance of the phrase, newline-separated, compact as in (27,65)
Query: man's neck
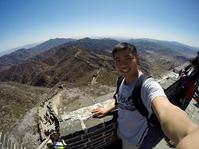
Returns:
(130,77)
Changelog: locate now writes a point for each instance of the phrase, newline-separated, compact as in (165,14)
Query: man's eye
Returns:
(129,58)
(117,60)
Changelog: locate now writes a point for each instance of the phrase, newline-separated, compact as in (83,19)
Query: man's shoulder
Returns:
(152,88)
(150,82)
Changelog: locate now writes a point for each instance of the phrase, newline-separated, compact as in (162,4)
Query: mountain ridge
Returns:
(79,60)
(21,55)
(61,65)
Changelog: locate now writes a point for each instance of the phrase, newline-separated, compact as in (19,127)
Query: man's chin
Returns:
(125,71)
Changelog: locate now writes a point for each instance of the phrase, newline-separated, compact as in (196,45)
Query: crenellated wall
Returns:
(6,142)
(80,130)
(97,136)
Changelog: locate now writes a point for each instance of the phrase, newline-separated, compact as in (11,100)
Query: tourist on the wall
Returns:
(132,125)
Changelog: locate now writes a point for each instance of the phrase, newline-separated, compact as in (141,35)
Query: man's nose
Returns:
(123,63)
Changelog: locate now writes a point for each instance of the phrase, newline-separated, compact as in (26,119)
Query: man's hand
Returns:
(100,111)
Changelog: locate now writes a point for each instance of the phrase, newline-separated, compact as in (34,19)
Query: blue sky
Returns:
(28,21)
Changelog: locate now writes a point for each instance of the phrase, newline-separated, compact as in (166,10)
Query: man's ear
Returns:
(137,57)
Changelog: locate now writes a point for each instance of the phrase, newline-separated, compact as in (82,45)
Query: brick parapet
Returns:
(6,142)
(80,130)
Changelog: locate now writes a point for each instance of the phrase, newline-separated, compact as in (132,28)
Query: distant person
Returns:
(132,126)
(188,82)
(58,142)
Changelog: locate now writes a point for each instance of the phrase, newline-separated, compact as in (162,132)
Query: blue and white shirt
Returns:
(132,126)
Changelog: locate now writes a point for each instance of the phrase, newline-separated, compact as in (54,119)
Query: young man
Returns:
(132,126)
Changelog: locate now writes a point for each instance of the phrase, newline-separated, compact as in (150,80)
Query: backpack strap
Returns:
(136,96)
(119,81)
(137,100)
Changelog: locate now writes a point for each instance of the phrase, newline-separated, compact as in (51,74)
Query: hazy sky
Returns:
(29,21)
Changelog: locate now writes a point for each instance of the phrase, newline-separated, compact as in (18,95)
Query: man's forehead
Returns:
(124,53)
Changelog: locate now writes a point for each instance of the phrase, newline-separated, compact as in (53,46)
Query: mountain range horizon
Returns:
(120,39)
(77,61)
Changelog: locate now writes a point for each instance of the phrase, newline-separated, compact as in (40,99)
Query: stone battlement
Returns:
(7,142)
(78,128)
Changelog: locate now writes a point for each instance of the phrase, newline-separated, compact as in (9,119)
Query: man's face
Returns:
(125,61)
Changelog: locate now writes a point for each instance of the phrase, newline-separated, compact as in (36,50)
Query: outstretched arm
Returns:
(175,123)
(190,141)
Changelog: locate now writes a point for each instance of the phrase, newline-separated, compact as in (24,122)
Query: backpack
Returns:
(137,101)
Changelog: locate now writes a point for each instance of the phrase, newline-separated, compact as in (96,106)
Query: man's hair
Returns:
(124,46)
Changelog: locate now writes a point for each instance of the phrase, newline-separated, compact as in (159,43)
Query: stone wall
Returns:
(6,142)
(80,130)
(97,136)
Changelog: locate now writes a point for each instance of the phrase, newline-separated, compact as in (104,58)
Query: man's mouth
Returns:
(124,70)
